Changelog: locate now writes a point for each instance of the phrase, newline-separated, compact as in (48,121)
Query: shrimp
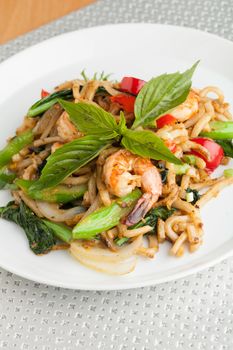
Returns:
(188,108)
(66,128)
(123,171)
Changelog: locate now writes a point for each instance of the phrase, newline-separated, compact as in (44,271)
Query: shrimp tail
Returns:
(143,205)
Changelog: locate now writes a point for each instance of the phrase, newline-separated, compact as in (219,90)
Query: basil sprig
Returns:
(94,120)
(157,97)
(70,157)
(161,94)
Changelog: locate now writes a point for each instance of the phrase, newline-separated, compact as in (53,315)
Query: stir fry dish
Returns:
(110,170)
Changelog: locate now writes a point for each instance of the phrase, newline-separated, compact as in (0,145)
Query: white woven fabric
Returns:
(192,313)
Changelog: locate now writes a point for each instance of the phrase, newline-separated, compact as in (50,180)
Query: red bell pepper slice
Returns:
(125,101)
(166,119)
(131,85)
(215,150)
(44,93)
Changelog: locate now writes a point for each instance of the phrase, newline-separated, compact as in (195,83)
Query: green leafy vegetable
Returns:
(45,103)
(147,144)
(151,218)
(91,119)
(58,194)
(227,146)
(68,158)
(14,146)
(105,218)
(220,130)
(161,94)
(195,195)
(40,237)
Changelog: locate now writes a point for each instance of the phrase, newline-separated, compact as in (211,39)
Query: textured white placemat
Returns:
(192,313)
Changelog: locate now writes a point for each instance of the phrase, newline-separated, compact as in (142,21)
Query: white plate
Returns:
(141,50)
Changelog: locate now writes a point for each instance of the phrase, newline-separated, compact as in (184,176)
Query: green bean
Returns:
(58,194)
(14,146)
(105,218)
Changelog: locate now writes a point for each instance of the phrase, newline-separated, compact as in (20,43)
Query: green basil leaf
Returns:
(65,160)
(161,94)
(91,119)
(147,144)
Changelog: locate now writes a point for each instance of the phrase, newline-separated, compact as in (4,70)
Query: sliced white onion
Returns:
(52,212)
(120,268)
(97,254)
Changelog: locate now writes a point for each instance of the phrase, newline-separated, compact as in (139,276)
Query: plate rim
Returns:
(118,285)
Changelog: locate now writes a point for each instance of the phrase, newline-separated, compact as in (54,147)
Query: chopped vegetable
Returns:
(166,119)
(181,169)
(189,197)
(126,102)
(105,218)
(190,159)
(40,237)
(220,130)
(14,146)
(58,194)
(228,172)
(131,85)
(60,231)
(192,196)
(215,150)
(121,241)
(45,103)
(44,93)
